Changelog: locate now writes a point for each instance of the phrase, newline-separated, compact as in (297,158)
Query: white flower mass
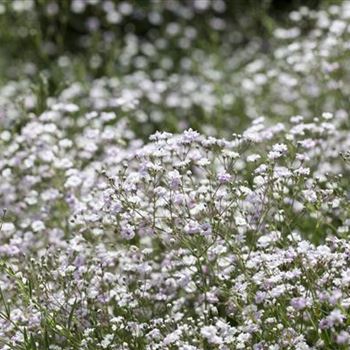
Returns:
(172,178)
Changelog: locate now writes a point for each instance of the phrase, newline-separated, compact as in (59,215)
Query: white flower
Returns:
(280,147)
(8,227)
(172,337)
(107,340)
(240,221)
(310,196)
(327,115)
(73,181)
(38,226)
(174,178)
(253,157)
(209,332)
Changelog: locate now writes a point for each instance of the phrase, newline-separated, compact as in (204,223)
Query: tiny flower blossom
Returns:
(224,177)
(298,303)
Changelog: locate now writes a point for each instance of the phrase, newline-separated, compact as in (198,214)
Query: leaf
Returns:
(32,342)
(70,318)
(6,305)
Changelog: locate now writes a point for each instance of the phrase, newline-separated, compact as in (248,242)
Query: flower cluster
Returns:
(188,241)
(116,236)
(307,73)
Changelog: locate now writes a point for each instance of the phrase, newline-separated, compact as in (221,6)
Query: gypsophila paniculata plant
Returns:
(168,182)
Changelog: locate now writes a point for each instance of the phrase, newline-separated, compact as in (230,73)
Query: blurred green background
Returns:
(185,45)
(40,31)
